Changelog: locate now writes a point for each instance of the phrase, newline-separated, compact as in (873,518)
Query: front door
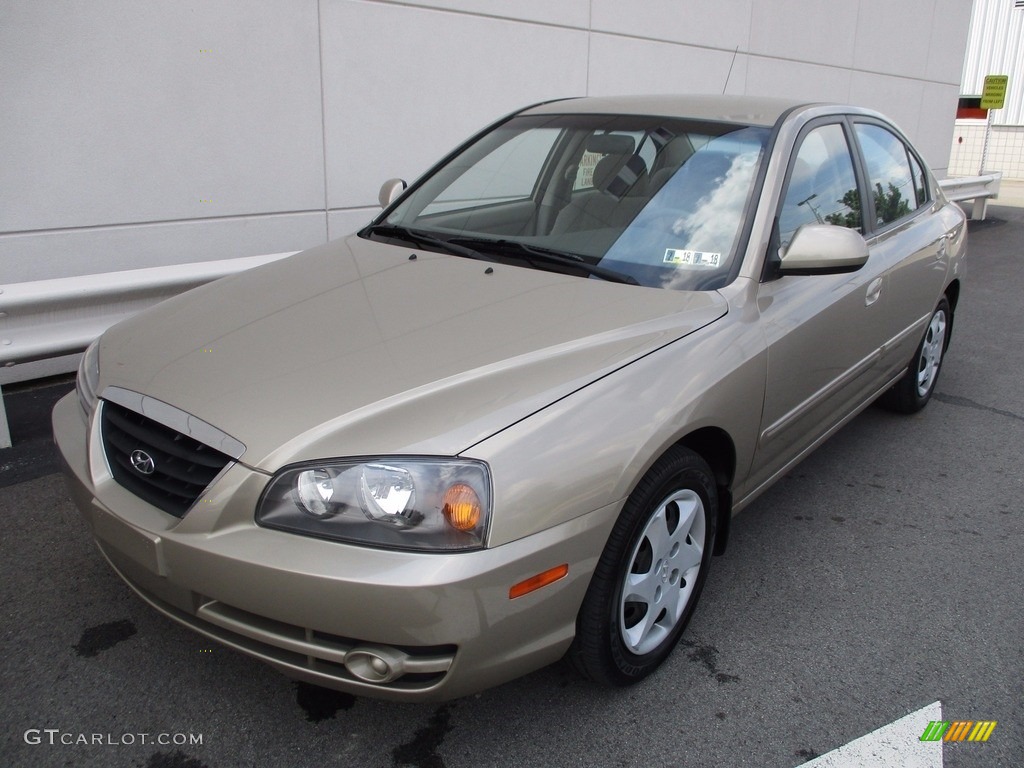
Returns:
(824,332)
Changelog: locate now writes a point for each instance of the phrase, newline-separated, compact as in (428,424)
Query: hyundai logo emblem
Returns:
(143,462)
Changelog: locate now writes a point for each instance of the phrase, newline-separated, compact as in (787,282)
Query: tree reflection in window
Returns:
(888,172)
(822,187)
(851,217)
(890,205)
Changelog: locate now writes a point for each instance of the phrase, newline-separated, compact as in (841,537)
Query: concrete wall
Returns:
(136,134)
(1005,149)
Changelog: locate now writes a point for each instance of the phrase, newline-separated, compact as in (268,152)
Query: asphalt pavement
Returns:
(882,574)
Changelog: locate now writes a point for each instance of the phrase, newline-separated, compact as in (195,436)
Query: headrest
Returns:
(605,170)
(630,179)
(611,144)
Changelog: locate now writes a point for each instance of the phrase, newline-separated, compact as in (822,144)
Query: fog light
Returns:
(376,664)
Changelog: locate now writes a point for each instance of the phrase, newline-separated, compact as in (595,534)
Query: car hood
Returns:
(358,348)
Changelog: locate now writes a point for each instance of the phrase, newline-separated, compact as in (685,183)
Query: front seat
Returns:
(594,209)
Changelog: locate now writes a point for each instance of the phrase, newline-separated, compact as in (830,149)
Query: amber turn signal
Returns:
(462,508)
(550,576)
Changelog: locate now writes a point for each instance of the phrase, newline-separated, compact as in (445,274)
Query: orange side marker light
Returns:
(532,584)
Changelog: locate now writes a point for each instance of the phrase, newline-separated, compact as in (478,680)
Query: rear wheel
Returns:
(912,393)
(651,573)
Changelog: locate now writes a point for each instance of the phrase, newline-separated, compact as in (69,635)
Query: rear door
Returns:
(909,237)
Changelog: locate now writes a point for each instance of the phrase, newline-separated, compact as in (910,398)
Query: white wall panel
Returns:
(624,65)
(924,111)
(66,253)
(709,23)
(795,79)
(118,112)
(404,85)
(936,124)
(948,41)
(893,37)
(341,223)
(899,98)
(817,32)
(567,13)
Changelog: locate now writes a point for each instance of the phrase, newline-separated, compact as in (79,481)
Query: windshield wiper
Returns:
(425,239)
(533,253)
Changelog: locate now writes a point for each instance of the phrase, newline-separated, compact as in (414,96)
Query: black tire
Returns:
(674,505)
(912,393)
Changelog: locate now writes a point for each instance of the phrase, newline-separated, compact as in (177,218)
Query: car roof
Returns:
(746,110)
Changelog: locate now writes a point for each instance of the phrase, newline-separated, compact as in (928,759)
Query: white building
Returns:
(995,46)
(150,134)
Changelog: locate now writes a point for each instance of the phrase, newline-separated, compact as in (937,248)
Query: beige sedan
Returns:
(512,419)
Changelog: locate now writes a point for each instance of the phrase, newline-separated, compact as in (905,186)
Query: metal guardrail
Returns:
(977,188)
(46,319)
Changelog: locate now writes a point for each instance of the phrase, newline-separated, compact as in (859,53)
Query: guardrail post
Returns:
(5,431)
(980,206)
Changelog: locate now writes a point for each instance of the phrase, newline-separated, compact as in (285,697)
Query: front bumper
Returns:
(326,612)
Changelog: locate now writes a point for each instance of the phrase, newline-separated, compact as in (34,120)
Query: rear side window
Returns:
(822,186)
(890,177)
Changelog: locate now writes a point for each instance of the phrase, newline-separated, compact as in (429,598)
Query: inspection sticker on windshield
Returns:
(683,258)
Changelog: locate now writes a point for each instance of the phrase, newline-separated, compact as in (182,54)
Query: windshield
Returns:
(647,200)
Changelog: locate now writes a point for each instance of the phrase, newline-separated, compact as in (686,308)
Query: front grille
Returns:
(182,467)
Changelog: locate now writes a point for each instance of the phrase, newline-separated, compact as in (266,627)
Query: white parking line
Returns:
(896,745)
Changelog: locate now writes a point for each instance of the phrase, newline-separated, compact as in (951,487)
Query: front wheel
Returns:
(651,573)
(911,393)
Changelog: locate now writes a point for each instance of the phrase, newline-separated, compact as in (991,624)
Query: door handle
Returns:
(874,291)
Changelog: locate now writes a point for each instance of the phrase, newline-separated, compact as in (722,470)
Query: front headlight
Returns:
(88,377)
(424,504)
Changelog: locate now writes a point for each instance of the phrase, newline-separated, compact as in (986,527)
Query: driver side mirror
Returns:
(824,249)
(390,191)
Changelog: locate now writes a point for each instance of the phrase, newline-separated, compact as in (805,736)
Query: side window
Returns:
(889,174)
(822,186)
(508,173)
